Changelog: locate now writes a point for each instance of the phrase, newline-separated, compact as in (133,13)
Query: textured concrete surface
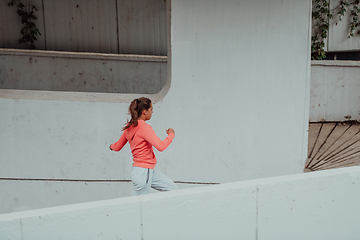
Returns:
(320,206)
(334,91)
(81,72)
(218,212)
(316,206)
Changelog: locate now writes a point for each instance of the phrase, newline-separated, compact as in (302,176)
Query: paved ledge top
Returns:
(335,63)
(83,55)
(79,96)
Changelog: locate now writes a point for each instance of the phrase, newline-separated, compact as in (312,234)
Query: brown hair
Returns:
(137,106)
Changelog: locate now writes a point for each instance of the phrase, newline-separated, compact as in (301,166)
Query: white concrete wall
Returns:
(321,206)
(238,101)
(335,91)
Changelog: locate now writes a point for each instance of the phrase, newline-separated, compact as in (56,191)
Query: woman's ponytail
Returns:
(137,106)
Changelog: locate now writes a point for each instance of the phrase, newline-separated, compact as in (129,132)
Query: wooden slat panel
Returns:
(104,26)
(10,26)
(81,25)
(323,136)
(142,27)
(333,139)
(313,134)
(334,147)
(343,141)
(314,130)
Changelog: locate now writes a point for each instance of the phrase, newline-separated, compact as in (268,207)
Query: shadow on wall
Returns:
(82,72)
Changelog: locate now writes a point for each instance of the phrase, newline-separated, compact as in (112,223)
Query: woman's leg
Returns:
(141,180)
(162,182)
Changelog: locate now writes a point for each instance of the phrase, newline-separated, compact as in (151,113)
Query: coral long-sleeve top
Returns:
(141,139)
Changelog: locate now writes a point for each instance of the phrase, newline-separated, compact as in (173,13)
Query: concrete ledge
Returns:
(335,63)
(83,55)
(111,219)
(84,77)
(70,96)
(318,205)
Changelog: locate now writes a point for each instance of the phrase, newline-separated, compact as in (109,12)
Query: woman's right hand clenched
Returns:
(170,130)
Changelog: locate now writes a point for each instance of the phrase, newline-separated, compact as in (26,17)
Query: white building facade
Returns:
(235,94)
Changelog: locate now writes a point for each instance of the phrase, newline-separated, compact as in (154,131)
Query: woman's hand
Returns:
(170,130)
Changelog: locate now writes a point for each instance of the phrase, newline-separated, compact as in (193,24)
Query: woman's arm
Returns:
(119,144)
(150,136)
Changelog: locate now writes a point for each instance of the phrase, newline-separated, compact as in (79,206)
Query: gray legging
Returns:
(144,178)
